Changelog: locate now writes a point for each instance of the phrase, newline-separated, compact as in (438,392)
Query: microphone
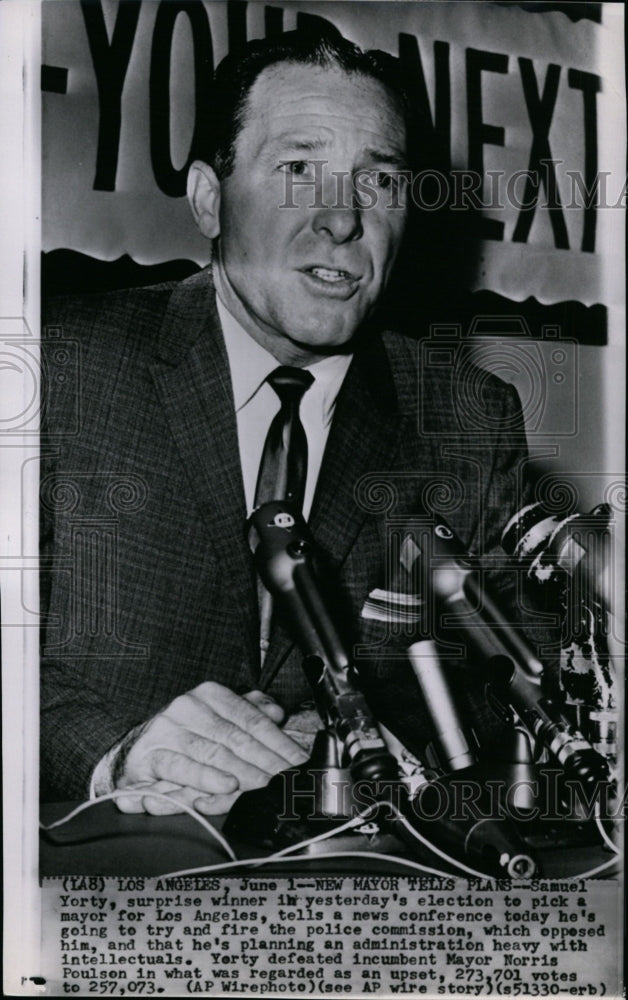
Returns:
(283,548)
(570,553)
(576,544)
(462,604)
(454,749)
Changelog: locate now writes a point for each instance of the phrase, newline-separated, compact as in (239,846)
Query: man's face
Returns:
(301,261)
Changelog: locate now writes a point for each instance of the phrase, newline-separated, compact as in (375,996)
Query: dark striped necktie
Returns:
(283,467)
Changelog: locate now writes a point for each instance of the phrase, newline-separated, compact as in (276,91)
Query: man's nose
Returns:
(341,223)
(338,213)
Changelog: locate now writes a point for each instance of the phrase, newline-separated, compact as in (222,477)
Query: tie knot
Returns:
(290,383)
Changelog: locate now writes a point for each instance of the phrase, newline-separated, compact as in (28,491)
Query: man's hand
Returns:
(204,749)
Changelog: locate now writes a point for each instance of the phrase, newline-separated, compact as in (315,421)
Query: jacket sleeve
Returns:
(77,719)
(81,716)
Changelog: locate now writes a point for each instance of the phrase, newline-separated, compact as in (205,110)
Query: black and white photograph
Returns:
(313,494)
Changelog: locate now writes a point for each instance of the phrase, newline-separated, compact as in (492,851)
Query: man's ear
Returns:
(204,198)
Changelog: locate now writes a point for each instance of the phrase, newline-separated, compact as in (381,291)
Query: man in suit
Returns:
(152,677)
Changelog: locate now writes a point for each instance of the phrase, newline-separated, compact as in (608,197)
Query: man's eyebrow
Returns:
(392,158)
(295,143)
(288,142)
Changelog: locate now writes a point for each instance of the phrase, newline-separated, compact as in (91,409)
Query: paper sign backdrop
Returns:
(529,102)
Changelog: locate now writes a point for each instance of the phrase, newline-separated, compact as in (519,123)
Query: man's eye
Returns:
(385,180)
(296,167)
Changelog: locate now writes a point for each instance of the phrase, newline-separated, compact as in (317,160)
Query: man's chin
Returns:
(326,331)
(323,342)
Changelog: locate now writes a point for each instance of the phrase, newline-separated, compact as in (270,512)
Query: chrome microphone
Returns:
(463,606)
(454,748)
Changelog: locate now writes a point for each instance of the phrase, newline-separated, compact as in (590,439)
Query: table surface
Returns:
(103,841)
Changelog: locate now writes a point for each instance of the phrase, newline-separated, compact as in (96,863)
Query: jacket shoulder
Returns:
(107,318)
(97,350)
(444,381)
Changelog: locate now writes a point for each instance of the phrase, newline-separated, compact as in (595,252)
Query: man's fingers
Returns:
(130,804)
(177,767)
(209,740)
(215,805)
(236,723)
(157,807)
(252,721)
(141,798)
(203,709)
(271,736)
(236,747)
(132,801)
(266,704)
(234,756)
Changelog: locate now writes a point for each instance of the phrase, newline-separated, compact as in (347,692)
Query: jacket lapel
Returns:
(369,420)
(193,382)
(362,439)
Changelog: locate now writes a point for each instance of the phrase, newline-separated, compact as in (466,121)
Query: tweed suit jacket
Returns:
(148,585)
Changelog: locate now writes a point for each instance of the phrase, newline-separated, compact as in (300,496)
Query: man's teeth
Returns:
(328,274)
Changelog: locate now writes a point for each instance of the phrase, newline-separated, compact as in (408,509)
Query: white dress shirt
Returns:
(256,403)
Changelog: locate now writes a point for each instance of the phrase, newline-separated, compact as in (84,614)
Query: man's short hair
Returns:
(236,74)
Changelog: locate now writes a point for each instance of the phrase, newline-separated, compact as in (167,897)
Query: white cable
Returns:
(223,866)
(283,854)
(436,850)
(356,821)
(287,855)
(404,862)
(260,862)
(605,837)
(416,865)
(359,819)
(593,871)
(280,855)
(156,795)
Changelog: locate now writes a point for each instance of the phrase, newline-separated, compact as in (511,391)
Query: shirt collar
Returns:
(250,364)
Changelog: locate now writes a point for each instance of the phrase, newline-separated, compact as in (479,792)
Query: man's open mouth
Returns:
(330,274)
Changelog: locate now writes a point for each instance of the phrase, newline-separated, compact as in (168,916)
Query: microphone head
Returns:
(553,545)
(269,523)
